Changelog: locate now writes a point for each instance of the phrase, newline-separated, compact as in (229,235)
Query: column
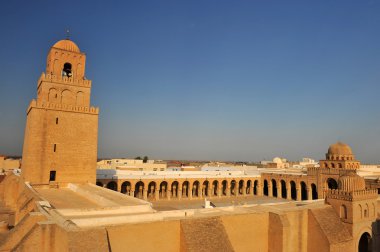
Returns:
(145,194)
(309,194)
(219,191)
(299,196)
(260,189)
(279,190)
(244,189)
(157,194)
(132,193)
(289,192)
(228,191)
(179,196)
(168,194)
(270,193)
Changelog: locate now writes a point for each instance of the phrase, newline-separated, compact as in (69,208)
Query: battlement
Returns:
(63,107)
(350,196)
(64,80)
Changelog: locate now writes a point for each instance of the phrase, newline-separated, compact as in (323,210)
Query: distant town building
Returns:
(132,164)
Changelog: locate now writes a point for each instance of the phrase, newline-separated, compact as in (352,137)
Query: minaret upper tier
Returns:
(64,81)
(65,59)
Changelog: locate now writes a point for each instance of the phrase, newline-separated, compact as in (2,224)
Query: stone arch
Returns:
(139,190)
(163,190)
(126,187)
(53,95)
(215,185)
(326,165)
(293,190)
(80,99)
(343,212)
(151,190)
(185,189)
(274,188)
(98,183)
(112,185)
(332,183)
(303,191)
(241,187)
(283,189)
(365,243)
(314,192)
(248,187)
(224,187)
(255,187)
(174,190)
(332,165)
(265,189)
(195,189)
(205,188)
(233,187)
(340,165)
(67,97)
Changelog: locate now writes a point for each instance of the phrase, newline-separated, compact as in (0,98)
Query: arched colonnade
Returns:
(157,189)
(291,187)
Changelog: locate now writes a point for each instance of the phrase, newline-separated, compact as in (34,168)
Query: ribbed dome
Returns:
(67,44)
(351,183)
(339,149)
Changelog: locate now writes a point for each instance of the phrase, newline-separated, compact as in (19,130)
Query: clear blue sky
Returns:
(227,80)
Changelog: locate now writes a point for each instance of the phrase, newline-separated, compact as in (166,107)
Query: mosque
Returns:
(58,203)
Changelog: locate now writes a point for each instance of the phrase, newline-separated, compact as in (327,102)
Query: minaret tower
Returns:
(61,134)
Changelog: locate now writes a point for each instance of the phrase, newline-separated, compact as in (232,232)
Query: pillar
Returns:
(179,195)
(309,193)
(168,194)
(279,190)
(299,196)
(219,191)
(228,191)
(260,189)
(157,194)
(145,194)
(244,189)
(132,193)
(270,193)
(289,192)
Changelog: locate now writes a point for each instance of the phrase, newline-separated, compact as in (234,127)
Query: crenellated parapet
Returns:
(62,107)
(350,196)
(64,80)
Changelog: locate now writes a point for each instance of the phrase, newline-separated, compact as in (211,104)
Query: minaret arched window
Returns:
(67,70)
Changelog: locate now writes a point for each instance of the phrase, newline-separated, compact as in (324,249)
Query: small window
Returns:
(55,147)
(154,169)
(52,175)
(162,169)
(56,120)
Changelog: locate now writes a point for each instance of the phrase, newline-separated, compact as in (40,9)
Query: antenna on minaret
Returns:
(67,33)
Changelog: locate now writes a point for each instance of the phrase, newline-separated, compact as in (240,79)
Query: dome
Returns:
(339,149)
(351,183)
(68,45)
(277,160)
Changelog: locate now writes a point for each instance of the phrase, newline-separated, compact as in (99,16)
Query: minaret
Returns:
(61,134)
